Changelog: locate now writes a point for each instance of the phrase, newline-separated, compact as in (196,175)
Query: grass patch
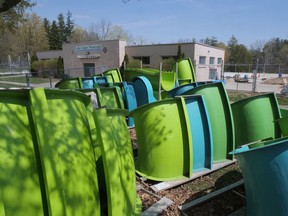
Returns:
(239,95)
(22,79)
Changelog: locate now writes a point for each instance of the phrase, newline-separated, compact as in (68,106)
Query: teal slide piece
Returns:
(143,91)
(130,100)
(186,87)
(186,72)
(255,118)
(202,142)
(220,116)
(20,171)
(98,80)
(264,168)
(164,140)
(118,162)
(66,153)
(88,82)
(72,83)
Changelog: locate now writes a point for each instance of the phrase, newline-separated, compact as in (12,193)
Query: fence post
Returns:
(50,78)
(255,77)
(27,80)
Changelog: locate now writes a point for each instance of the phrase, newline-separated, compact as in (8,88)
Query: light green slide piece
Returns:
(186,73)
(164,140)
(113,75)
(110,97)
(66,152)
(20,187)
(118,162)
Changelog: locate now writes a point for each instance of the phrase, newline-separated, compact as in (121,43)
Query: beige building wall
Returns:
(156,53)
(208,70)
(102,54)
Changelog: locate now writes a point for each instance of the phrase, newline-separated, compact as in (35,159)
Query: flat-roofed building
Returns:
(90,58)
(207,60)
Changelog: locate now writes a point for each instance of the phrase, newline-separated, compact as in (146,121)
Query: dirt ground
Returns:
(223,204)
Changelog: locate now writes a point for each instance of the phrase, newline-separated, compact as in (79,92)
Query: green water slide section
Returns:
(113,75)
(164,140)
(151,74)
(117,156)
(255,118)
(20,187)
(66,152)
(110,97)
(72,83)
(186,73)
(220,115)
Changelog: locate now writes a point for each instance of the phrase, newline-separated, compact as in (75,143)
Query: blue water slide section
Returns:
(143,90)
(202,142)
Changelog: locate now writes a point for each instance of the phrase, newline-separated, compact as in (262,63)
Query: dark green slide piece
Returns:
(164,140)
(255,118)
(118,162)
(186,73)
(113,75)
(110,97)
(72,83)
(220,115)
(20,174)
(283,124)
(66,151)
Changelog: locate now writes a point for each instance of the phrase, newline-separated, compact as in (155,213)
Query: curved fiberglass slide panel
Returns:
(113,75)
(186,72)
(164,140)
(118,162)
(202,143)
(254,118)
(65,149)
(110,97)
(264,167)
(88,82)
(20,170)
(151,74)
(143,91)
(220,115)
(168,80)
(72,83)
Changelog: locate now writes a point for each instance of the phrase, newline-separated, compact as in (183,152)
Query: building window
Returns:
(202,60)
(145,59)
(212,60)
(219,61)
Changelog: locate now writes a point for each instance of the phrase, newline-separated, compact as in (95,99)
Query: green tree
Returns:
(69,27)
(61,29)
(60,67)
(55,42)
(238,54)
(10,19)
(180,54)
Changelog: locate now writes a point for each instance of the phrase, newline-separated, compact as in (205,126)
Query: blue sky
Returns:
(167,21)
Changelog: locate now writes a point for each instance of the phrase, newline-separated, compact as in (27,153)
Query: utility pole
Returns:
(255,76)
